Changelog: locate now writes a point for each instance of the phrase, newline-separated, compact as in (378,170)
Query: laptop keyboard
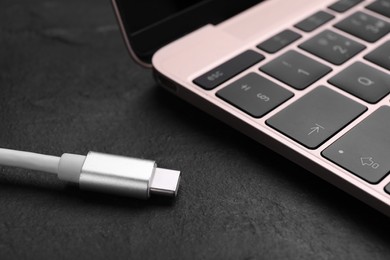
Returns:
(322,112)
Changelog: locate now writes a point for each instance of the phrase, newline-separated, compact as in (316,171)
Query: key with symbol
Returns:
(364,26)
(295,69)
(365,149)
(254,94)
(363,81)
(332,47)
(228,69)
(315,117)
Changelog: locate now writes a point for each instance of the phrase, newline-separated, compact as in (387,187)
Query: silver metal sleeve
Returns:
(117,174)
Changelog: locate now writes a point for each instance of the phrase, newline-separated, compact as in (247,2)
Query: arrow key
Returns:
(315,117)
(365,149)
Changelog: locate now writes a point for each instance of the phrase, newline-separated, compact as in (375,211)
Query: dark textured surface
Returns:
(68,85)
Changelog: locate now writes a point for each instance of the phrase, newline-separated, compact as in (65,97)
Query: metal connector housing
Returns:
(118,175)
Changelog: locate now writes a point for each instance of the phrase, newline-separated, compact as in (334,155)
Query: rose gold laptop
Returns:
(307,78)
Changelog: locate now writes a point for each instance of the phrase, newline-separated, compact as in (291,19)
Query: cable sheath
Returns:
(28,160)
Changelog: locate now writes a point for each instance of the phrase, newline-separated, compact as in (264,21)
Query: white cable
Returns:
(100,172)
(27,160)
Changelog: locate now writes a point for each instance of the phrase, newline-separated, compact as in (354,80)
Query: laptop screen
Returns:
(150,24)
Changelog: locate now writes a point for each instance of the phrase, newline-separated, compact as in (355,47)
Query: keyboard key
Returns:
(254,94)
(314,21)
(227,70)
(363,81)
(365,149)
(344,5)
(387,188)
(364,26)
(380,56)
(295,69)
(381,7)
(332,47)
(315,117)
(279,41)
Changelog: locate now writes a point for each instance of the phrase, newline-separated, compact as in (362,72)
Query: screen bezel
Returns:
(145,42)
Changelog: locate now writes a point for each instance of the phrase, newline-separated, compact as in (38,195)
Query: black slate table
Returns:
(67,84)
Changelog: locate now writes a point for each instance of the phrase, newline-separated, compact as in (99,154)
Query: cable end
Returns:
(165,182)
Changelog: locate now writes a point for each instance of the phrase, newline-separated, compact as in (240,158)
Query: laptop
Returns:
(309,79)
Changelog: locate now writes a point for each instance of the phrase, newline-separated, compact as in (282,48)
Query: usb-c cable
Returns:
(101,172)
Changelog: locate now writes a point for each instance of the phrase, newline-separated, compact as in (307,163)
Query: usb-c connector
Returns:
(100,172)
(165,182)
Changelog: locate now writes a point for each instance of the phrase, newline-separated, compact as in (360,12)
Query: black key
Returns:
(381,7)
(254,95)
(332,47)
(279,41)
(295,69)
(316,116)
(314,21)
(365,149)
(363,81)
(364,26)
(344,5)
(227,70)
(380,56)
(387,188)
